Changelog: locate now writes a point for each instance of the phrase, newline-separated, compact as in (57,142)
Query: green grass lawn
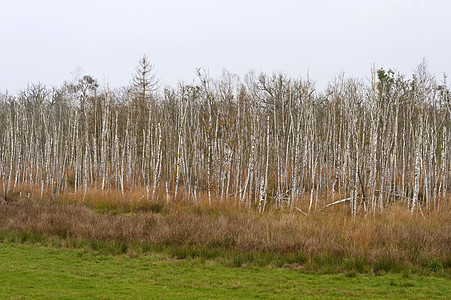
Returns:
(40,272)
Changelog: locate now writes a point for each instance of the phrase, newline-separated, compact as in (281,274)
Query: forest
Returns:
(255,142)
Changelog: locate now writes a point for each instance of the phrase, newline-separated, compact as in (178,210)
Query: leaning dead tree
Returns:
(261,141)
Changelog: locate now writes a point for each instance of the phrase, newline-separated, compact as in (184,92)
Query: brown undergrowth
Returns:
(392,241)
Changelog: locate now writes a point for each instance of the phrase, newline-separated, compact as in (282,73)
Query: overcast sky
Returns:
(47,41)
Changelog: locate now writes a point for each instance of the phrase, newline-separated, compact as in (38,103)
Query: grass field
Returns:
(393,242)
(42,272)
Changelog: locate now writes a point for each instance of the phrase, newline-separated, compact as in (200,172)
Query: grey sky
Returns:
(46,41)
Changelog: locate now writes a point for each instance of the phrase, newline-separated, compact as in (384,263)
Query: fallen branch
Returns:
(300,210)
(336,202)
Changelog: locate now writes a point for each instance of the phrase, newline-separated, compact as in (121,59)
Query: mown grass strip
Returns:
(46,272)
(319,264)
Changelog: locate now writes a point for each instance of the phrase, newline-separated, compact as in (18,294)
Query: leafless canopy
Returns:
(266,140)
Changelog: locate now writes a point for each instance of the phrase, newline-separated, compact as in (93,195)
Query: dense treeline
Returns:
(258,140)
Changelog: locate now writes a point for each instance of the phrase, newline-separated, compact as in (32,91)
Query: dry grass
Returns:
(390,241)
